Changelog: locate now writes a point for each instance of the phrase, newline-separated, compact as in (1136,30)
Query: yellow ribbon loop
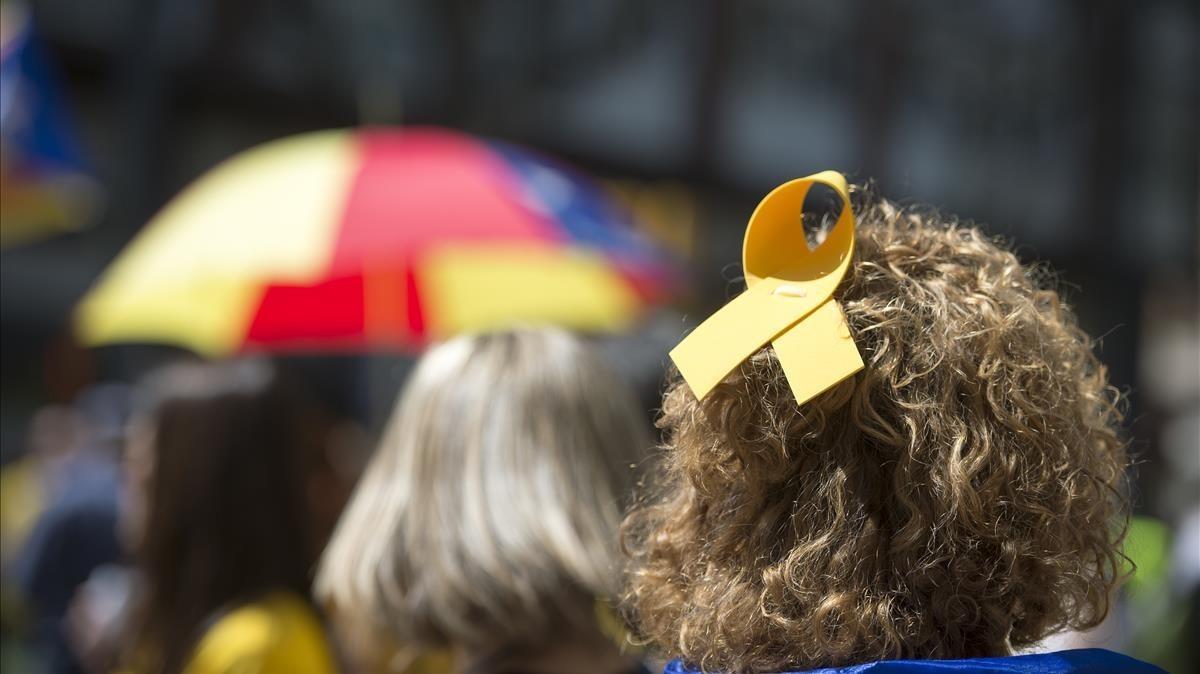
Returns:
(788,300)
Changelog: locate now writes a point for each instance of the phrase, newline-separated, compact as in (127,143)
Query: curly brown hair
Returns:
(962,496)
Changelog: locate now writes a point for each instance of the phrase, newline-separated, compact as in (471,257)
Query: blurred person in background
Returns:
(53,432)
(75,457)
(219,466)
(485,527)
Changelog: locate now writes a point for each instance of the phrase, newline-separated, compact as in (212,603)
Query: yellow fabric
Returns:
(279,635)
(21,501)
(787,300)
(466,290)
(195,275)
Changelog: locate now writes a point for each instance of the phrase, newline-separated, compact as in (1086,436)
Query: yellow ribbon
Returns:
(788,300)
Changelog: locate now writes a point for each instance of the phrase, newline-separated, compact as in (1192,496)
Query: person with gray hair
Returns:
(486,525)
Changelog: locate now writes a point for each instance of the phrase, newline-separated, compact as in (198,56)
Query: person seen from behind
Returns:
(947,508)
(76,454)
(485,527)
(218,465)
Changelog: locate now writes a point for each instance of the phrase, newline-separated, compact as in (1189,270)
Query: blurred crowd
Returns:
(175,525)
(184,524)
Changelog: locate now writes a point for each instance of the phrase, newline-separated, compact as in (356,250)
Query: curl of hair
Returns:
(961,496)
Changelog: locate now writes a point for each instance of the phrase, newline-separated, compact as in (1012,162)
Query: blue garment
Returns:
(1083,661)
(74,536)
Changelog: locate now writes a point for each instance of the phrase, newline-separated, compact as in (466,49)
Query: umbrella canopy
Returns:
(347,239)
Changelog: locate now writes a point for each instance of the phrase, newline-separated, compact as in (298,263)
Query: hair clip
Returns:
(788,300)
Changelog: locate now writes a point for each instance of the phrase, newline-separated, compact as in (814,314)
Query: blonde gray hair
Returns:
(489,514)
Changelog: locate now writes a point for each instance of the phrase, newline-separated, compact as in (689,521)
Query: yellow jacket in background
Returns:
(279,634)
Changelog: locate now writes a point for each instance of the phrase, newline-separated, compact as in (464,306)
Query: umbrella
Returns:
(340,240)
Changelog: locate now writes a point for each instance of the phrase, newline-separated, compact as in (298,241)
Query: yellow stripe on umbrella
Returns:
(477,289)
(195,275)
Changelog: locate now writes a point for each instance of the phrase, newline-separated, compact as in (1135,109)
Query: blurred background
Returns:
(1070,127)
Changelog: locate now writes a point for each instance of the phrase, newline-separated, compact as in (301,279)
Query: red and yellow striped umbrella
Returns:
(374,238)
